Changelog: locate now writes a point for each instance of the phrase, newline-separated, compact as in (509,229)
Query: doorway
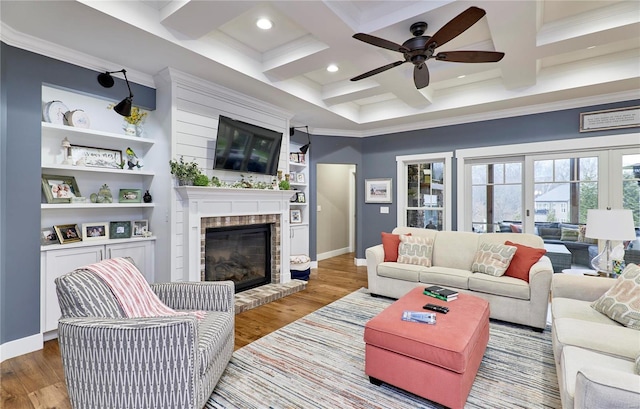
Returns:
(336,209)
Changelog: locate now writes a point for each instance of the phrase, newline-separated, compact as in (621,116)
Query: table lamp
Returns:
(610,224)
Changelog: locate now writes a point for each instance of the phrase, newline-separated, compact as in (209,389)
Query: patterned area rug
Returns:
(318,362)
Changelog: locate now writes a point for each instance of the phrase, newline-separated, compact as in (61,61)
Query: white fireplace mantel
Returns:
(199,202)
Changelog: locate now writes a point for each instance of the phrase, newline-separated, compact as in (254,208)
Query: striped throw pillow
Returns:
(493,259)
(621,302)
(415,250)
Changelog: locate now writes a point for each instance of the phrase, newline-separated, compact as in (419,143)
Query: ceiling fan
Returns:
(419,49)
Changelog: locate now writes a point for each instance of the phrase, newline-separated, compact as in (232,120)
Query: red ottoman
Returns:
(438,362)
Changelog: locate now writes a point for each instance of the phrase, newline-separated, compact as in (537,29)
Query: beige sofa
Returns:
(510,299)
(594,355)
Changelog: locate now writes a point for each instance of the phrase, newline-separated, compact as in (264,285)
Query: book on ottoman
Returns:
(441,293)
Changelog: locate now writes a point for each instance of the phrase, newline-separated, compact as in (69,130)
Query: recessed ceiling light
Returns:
(461,76)
(332,68)
(591,47)
(264,23)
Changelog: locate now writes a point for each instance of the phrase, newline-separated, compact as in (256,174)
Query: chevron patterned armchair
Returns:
(169,362)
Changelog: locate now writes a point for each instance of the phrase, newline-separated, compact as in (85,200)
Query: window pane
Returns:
(513,173)
(498,173)
(562,170)
(507,203)
(478,174)
(631,185)
(588,199)
(588,169)
(543,171)
(429,219)
(479,208)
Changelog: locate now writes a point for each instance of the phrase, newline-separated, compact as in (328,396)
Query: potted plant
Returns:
(184,172)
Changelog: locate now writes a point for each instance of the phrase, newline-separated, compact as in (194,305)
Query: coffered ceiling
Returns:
(558,54)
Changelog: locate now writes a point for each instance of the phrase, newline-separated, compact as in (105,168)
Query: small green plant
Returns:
(201,180)
(215,181)
(183,171)
(284,185)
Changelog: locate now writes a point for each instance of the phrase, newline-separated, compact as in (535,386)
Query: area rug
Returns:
(318,362)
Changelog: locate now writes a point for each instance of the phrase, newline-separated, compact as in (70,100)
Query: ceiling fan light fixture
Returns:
(264,23)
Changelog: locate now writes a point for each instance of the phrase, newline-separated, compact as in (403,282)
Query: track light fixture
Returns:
(303,148)
(106,80)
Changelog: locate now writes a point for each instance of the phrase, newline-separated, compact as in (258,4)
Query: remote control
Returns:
(436,308)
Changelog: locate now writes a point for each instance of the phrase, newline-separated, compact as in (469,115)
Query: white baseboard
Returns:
(332,253)
(360,262)
(20,346)
(314,264)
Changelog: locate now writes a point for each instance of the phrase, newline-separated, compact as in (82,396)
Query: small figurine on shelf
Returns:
(103,195)
(66,147)
(147,197)
(132,159)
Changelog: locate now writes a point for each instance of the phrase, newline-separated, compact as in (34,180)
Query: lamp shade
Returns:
(615,224)
(124,107)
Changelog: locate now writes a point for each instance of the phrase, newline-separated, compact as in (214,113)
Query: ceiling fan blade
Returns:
(377,70)
(456,26)
(469,56)
(380,42)
(421,76)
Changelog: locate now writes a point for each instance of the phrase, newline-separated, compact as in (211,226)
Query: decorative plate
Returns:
(54,112)
(78,118)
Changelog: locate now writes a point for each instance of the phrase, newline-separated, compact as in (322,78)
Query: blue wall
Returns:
(22,76)
(376,157)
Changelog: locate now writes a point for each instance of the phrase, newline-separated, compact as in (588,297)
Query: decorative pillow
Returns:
(515,228)
(584,239)
(567,234)
(621,302)
(415,250)
(522,261)
(390,243)
(493,259)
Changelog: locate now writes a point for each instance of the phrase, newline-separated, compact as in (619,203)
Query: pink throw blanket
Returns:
(132,290)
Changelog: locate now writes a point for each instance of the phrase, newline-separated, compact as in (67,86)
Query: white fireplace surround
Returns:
(201,202)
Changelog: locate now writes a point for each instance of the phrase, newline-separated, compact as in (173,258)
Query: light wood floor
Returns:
(36,380)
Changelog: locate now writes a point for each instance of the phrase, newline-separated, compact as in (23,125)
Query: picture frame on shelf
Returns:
(295,216)
(300,197)
(299,177)
(48,236)
(140,228)
(293,157)
(130,196)
(96,157)
(120,230)
(68,233)
(59,189)
(292,177)
(378,190)
(95,231)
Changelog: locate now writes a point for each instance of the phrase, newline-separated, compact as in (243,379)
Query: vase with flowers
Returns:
(133,123)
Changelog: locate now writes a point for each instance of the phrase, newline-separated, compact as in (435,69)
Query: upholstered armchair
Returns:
(111,361)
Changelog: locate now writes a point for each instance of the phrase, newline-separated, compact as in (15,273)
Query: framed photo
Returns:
(48,236)
(300,197)
(377,191)
(120,230)
(292,177)
(68,233)
(295,216)
(96,157)
(140,228)
(95,231)
(130,196)
(59,189)
(300,177)
(610,119)
(293,157)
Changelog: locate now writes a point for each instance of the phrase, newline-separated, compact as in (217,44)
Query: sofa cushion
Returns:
(622,301)
(445,276)
(493,259)
(568,234)
(549,233)
(406,272)
(637,366)
(390,243)
(415,250)
(212,331)
(456,249)
(82,294)
(579,310)
(522,261)
(503,286)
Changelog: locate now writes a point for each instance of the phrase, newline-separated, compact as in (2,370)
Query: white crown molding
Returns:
(487,116)
(39,46)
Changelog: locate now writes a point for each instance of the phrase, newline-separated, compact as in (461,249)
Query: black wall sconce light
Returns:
(106,80)
(303,148)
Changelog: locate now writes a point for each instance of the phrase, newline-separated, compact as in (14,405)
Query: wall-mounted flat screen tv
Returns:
(244,147)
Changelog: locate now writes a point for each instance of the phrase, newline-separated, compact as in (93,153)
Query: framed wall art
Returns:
(59,189)
(96,157)
(610,119)
(377,190)
(295,216)
(95,231)
(120,230)
(130,196)
(68,233)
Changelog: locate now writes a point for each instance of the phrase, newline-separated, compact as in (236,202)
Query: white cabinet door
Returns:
(141,253)
(57,263)
(299,240)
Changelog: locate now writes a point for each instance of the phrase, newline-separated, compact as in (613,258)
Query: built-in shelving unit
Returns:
(299,230)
